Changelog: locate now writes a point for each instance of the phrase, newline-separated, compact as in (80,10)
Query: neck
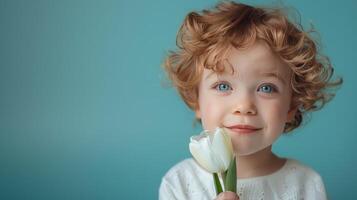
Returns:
(260,163)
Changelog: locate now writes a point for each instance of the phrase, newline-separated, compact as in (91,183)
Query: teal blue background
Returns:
(84,113)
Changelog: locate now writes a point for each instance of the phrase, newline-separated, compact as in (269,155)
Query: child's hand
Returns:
(227,196)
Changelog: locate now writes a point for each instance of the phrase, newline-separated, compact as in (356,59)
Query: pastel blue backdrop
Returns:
(84,113)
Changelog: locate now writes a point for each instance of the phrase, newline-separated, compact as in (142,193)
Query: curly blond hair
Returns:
(205,38)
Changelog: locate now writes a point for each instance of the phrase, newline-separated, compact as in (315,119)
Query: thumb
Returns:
(227,196)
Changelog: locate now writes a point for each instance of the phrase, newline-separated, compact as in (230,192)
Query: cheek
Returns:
(279,112)
(275,114)
(210,115)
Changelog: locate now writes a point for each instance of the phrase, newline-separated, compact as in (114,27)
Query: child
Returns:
(253,73)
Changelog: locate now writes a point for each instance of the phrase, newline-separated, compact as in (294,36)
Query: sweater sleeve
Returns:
(316,190)
(166,191)
(320,189)
(186,181)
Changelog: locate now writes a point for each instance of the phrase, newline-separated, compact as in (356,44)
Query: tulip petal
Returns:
(221,148)
(201,151)
(213,151)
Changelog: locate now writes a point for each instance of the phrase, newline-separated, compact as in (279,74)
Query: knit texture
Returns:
(293,181)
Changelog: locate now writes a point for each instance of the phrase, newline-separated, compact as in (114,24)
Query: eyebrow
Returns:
(213,73)
(264,74)
(274,75)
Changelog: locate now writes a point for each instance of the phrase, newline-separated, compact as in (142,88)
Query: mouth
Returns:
(243,129)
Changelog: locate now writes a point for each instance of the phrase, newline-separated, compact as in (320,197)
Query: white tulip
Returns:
(213,151)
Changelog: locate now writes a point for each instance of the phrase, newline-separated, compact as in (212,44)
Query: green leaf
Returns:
(224,175)
(230,183)
(217,183)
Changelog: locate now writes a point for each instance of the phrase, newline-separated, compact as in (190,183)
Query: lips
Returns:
(243,129)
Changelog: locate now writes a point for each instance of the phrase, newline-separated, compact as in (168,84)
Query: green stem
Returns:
(224,175)
(230,183)
(217,183)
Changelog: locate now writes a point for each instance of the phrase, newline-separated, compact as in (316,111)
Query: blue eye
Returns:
(223,87)
(267,89)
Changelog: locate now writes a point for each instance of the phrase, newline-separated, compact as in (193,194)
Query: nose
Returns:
(245,105)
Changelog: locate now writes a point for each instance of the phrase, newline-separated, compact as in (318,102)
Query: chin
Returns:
(244,153)
(248,152)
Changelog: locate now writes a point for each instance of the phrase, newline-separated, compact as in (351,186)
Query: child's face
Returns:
(258,94)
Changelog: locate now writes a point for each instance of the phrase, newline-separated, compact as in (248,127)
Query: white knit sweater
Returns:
(294,181)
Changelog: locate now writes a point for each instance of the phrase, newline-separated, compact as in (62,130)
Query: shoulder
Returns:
(185,180)
(185,168)
(303,172)
(188,163)
(301,176)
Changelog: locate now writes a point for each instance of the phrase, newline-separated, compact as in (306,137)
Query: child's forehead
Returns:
(227,68)
(254,61)
(229,72)
(257,53)
(255,71)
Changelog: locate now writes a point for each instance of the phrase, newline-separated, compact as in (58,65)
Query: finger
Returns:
(227,196)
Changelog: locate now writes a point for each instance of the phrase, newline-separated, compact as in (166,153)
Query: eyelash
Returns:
(216,86)
(273,87)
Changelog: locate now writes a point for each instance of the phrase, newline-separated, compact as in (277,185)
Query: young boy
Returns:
(253,73)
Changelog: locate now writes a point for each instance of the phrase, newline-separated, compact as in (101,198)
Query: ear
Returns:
(291,114)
